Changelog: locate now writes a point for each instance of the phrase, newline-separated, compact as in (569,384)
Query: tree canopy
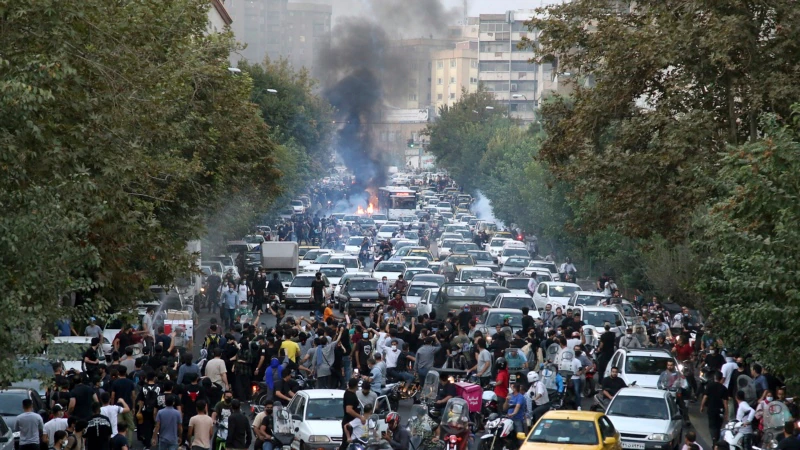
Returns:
(122,129)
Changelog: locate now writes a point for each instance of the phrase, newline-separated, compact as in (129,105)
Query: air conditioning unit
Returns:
(513,88)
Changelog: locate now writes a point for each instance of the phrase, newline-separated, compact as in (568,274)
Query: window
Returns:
(412,97)
(439,81)
(523,66)
(606,427)
(494,27)
(473,63)
(473,80)
(452,80)
(493,47)
(438,96)
(493,66)
(495,86)
(452,63)
(452,96)
(439,64)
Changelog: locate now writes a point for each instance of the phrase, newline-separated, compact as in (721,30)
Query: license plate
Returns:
(301,301)
(368,305)
(633,445)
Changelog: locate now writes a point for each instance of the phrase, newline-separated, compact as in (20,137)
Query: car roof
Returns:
(306,275)
(71,340)
(596,308)
(569,415)
(558,283)
(513,295)
(590,293)
(332,266)
(478,268)
(413,258)
(343,256)
(322,393)
(415,283)
(504,310)
(647,352)
(638,391)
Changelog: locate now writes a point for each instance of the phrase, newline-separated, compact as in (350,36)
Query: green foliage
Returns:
(460,137)
(676,82)
(122,129)
(749,242)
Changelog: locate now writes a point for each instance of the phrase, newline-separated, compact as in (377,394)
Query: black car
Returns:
(360,293)
(11,405)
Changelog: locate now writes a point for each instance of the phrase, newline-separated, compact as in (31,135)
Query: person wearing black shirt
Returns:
(527,321)
(191,394)
(275,287)
(612,384)
(318,292)
(283,387)
(715,400)
(577,323)
(605,350)
(363,352)
(464,317)
(81,399)
(788,441)
(498,345)
(259,286)
(91,357)
(98,432)
(351,408)
(447,390)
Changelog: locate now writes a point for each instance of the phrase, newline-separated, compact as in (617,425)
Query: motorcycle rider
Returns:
(673,380)
(398,436)
(745,415)
(400,285)
(383,289)
(397,304)
(537,394)
(568,268)
(612,384)
(275,287)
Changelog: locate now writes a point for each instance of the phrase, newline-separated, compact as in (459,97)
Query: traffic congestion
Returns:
(397,319)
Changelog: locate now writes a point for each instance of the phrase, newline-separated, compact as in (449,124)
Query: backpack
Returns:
(151,393)
(211,342)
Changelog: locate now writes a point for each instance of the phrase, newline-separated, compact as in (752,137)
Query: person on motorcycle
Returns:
(568,268)
(539,401)
(357,428)
(400,285)
(275,287)
(612,384)
(501,380)
(398,436)
(383,289)
(397,303)
(447,390)
(672,380)
(532,284)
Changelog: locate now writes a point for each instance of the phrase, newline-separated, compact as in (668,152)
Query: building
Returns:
(218,17)
(279,28)
(415,92)
(505,70)
(392,129)
(454,72)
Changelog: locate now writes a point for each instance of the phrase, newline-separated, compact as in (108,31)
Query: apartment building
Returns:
(453,73)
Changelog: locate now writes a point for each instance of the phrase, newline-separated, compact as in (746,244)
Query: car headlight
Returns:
(659,437)
(318,439)
(680,367)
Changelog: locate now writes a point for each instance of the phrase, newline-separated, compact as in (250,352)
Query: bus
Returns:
(397,201)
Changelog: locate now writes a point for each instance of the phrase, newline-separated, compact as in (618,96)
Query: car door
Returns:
(424,306)
(609,438)
(675,419)
(6,436)
(614,362)
(540,297)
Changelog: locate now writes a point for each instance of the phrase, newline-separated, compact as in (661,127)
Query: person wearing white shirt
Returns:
(242,290)
(112,411)
(532,284)
(577,380)
(58,422)
(727,370)
(745,415)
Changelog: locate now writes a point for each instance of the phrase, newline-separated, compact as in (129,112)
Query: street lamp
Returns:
(234,70)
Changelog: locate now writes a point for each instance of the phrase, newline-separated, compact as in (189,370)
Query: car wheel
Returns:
(303,446)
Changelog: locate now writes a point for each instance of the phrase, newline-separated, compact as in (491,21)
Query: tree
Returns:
(675,82)
(122,129)
(459,138)
(749,247)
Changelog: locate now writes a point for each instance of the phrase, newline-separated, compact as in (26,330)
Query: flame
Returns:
(360,211)
(369,209)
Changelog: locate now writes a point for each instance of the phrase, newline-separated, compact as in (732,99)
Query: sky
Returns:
(475,7)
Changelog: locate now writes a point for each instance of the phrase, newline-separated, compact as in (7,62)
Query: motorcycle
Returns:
(599,402)
(283,434)
(455,426)
(775,415)
(428,394)
(422,428)
(733,435)
(373,441)
(500,434)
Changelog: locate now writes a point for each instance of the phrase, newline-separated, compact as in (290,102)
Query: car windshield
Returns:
(66,351)
(350,218)
(476,275)
(416,291)
(479,255)
(311,255)
(390,267)
(282,276)
(470,290)
(565,431)
(350,263)
(302,282)
(515,252)
(335,272)
(542,265)
(497,242)
(386,228)
(363,285)
(355,240)
(497,319)
(11,403)
(254,239)
(449,243)
(416,263)
(599,318)
(379,217)
(639,407)
(464,246)
(516,302)
(517,283)
(645,365)
(588,300)
(563,291)
(323,259)
(438,279)
(517,262)
(324,409)
(460,260)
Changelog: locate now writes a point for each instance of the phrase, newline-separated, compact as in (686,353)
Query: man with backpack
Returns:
(148,407)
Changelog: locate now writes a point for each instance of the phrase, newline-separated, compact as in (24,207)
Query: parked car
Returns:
(647,419)
(644,366)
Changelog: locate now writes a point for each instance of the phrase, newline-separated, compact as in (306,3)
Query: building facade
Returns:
(454,72)
(504,68)
(280,28)
(218,17)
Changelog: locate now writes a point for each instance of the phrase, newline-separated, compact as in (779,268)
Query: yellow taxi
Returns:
(572,430)
(421,252)
(503,234)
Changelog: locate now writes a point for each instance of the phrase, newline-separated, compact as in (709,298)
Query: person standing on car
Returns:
(318,293)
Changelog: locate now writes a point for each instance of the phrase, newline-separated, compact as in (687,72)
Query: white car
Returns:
(345,277)
(508,252)
(351,263)
(427,300)
(316,418)
(314,266)
(446,247)
(646,418)
(389,269)
(353,245)
(380,219)
(550,266)
(444,207)
(517,285)
(349,220)
(334,273)
(311,255)
(474,273)
(495,246)
(553,291)
(541,274)
(387,230)
(415,261)
(299,292)
(69,350)
(586,298)
(415,291)
(297,206)
(642,365)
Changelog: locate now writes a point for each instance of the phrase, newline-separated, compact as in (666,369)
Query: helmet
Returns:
(393,418)
(501,363)
(533,377)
